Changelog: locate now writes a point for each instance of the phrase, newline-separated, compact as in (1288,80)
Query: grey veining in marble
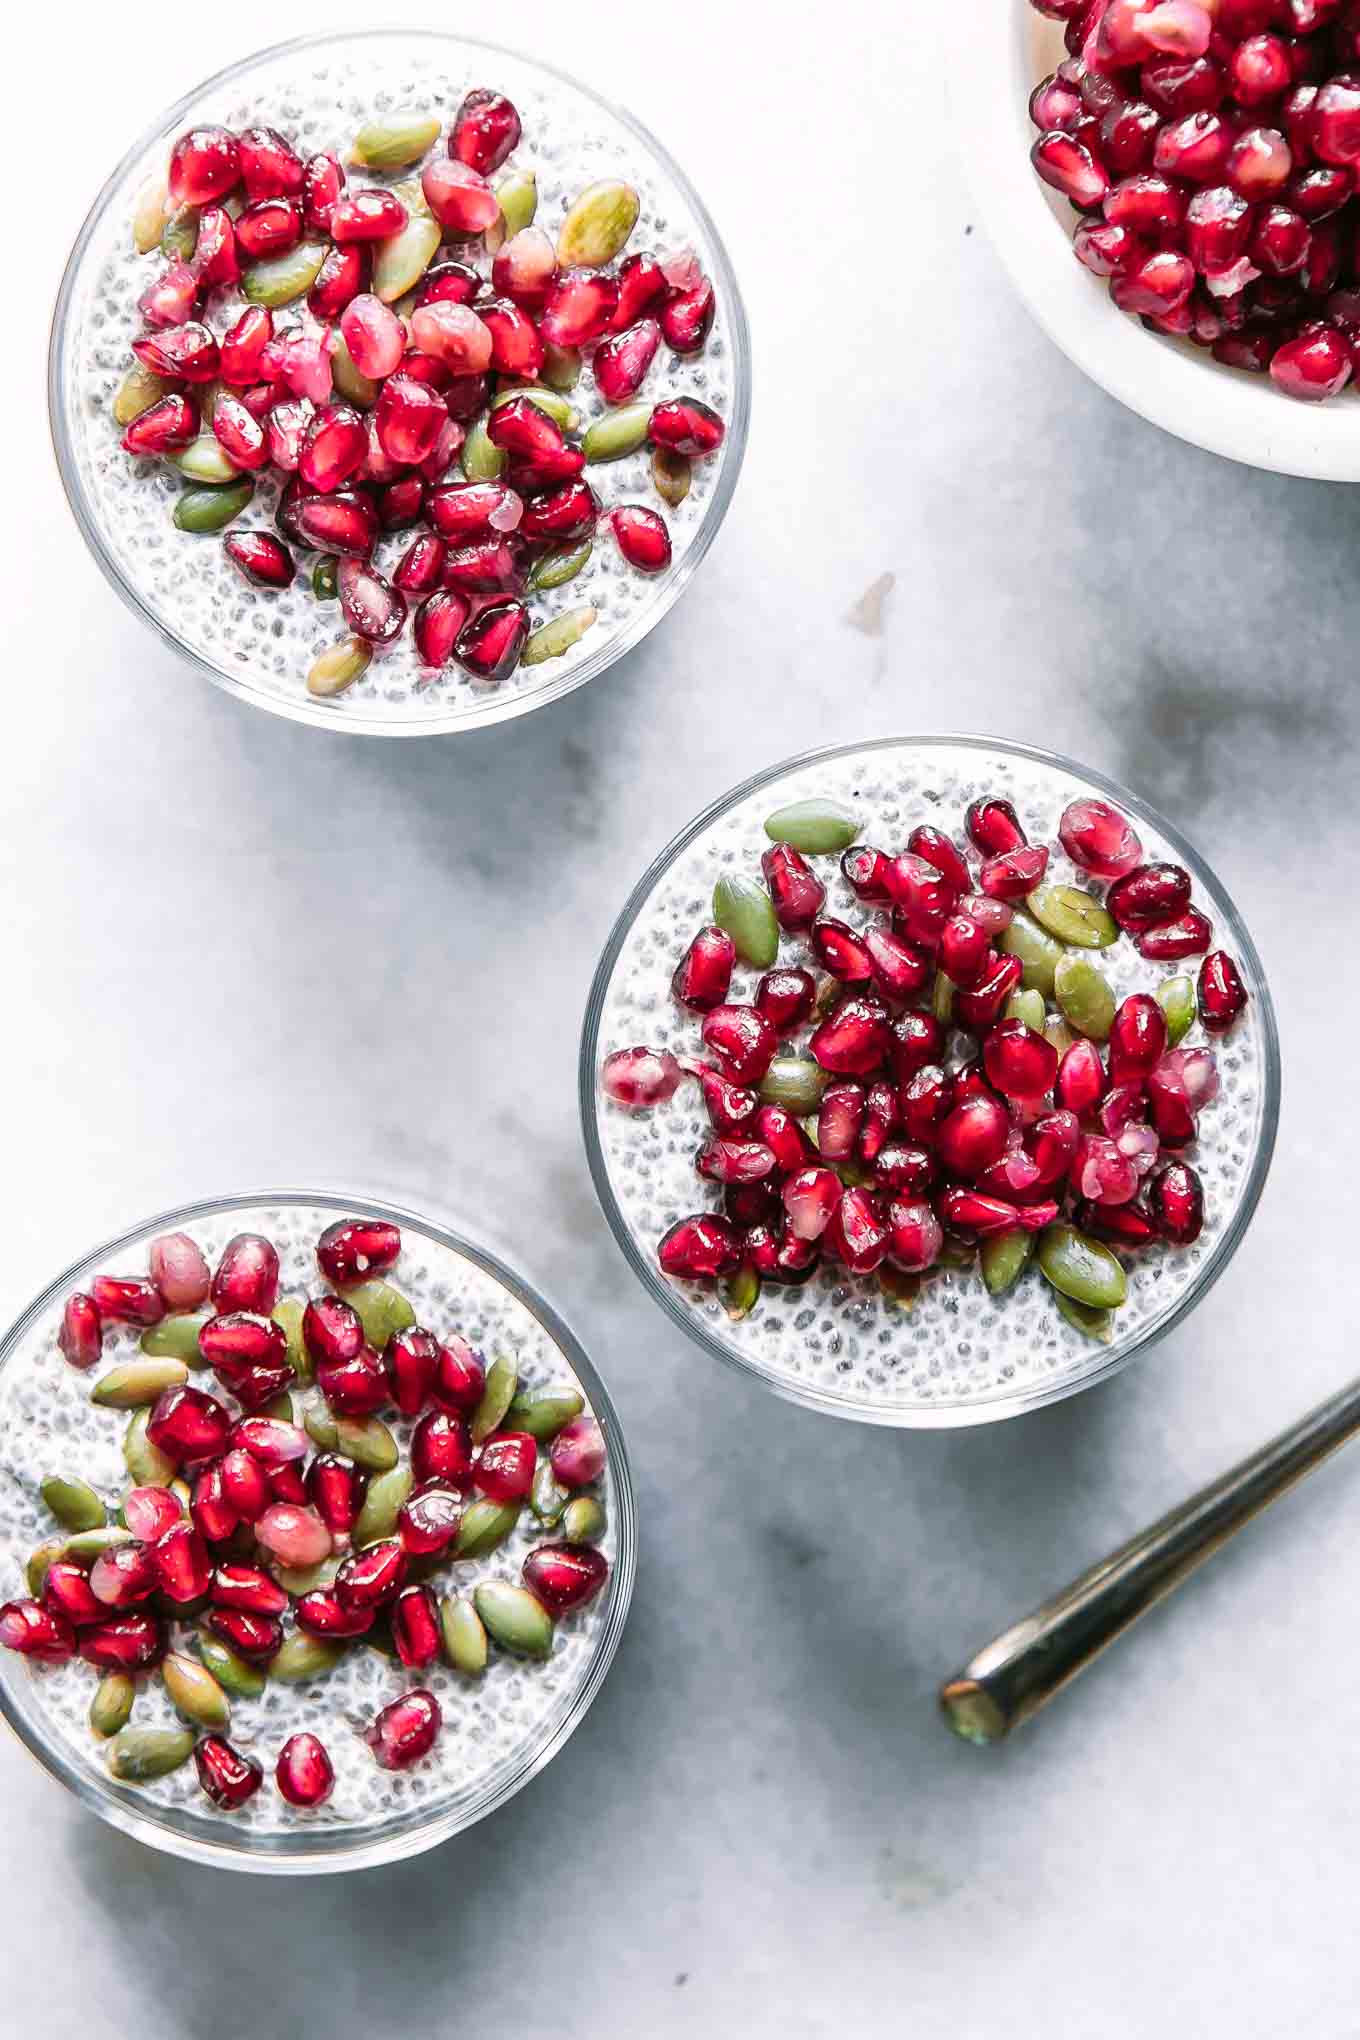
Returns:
(241,951)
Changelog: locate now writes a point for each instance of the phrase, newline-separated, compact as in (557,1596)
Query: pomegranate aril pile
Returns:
(1213,153)
(946,1074)
(351,340)
(258,1539)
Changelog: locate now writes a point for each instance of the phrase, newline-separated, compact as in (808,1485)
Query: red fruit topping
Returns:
(270,1440)
(687,318)
(414,1621)
(269,228)
(420,570)
(438,622)
(36,1631)
(1137,1038)
(1015,873)
(1177,1197)
(505,1467)
(687,426)
(354,1249)
(245,1586)
(149,1511)
(367,216)
(621,362)
(490,644)
(1190,935)
(459,197)
(915,1235)
(186,353)
(323,180)
(973,1135)
(322,1613)
(205,164)
(294,1534)
(743,1039)
(405,1731)
(171,299)
(81,1336)
(245,1489)
(247,1275)
(67,1592)
(182,1566)
(700,1247)
(441,1450)
(704,973)
(855,1039)
(304,1773)
(410,1362)
(261,558)
(642,538)
(239,1340)
(370,1578)
(785,998)
(564,1576)
(228,1778)
(1019,1062)
(1222,994)
(516,345)
(356,1387)
(128,1643)
(429,1521)
(332,1329)
(213,1512)
(640,1078)
(270,167)
(187,1424)
(1068,165)
(485,131)
(577,1453)
(1099,839)
(981,1005)
(866,873)
(126,1300)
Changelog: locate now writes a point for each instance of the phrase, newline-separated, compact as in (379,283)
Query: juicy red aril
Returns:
(215,255)
(700,1247)
(1149,206)
(841,952)
(641,537)
(525,269)
(1156,287)
(743,1039)
(304,1773)
(1149,895)
(1014,874)
(1259,165)
(1081,1082)
(261,558)
(797,894)
(420,570)
(271,1440)
(1189,935)
(482,568)
(247,1276)
(335,1488)
(810,1196)
(1260,69)
(1019,1062)
(857,1235)
(238,1340)
(171,423)
(865,871)
(333,448)
(186,353)
(429,1520)
(38,1632)
(322,1613)
(784,1137)
(1069,167)
(332,1329)
(485,131)
(441,1449)
(414,1622)
(367,216)
(459,197)
(899,971)
(639,1078)
(214,1515)
(370,1578)
(1218,223)
(286,1484)
(923,897)
(1137,1038)
(1177,1198)
(1101,1173)
(205,164)
(127,1643)
(171,299)
(294,1533)
(438,621)
(564,1576)
(410,1361)
(1222,994)
(1280,240)
(971,1211)
(994,827)
(730,1106)
(68,1593)
(1318,193)
(463,511)
(684,425)
(965,948)
(245,1485)
(341,277)
(1194,148)
(580,308)
(127,1300)
(270,166)
(937,849)
(228,1778)
(239,433)
(980,1006)
(187,1424)
(489,645)
(270,228)
(734,1161)
(356,1387)
(902,1167)
(1099,839)
(915,1235)
(405,1731)
(81,1335)
(346,524)
(516,345)
(973,1135)
(577,1453)
(622,361)
(687,318)
(148,1511)
(880,1120)
(1313,366)
(853,1040)
(1127,133)
(704,972)
(838,1121)
(183,1569)
(1123,1225)
(785,998)
(353,1249)
(1336,120)
(407,420)
(253,1637)
(247,1587)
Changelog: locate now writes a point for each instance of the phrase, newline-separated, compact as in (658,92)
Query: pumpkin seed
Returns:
(176,1337)
(339,667)
(112,1703)
(583,1521)
(957,1254)
(554,639)
(279,279)
(618,433)
(301,1657)
(305,1579)
(597,226)
(479,459)
(203,460)
(39,1562)
(942,998)
(1082,1268)
(280,1407)
(367,1441)
(319,1425)
(147,1464)
(514,1619)
(325,580)
(563,414)
(517,196)
(357,388)
(544,1414)
(794,1081)
(746,912)
(1058,1034)
(288,1315)
(401,260)
(246,1681)
(194,1691)
(1097,1324)
(672,474)
(137,1383)
(562,366)
(502,1379)
(1073,916)
(394,142)
(74,1503)
(137,392)
(1004,1256)
(900,1288)
(179,235)
(137,1755)
(1037,950)
(88,1545)
(555,569)
(816,828)
(1084,996)
(148,216)
(1176,997)
(546,1498)
(1029,1007)
(377,1518)
(484,1526)
(382,1310)
(464,1636)
(740,1293)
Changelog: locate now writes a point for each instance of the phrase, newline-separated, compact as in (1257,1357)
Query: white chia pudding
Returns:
(263,641)
(496,1728)
(839,1342)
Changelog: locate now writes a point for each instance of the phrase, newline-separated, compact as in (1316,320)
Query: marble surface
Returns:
(240,952)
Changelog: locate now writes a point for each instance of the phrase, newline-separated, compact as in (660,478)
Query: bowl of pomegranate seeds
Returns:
(317,1532)
(399,382)
(929,1079)
(1185,230)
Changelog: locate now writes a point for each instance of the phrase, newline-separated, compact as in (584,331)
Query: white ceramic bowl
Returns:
(1173,384)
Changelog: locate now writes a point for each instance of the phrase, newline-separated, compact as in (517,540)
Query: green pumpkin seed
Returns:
(1004,1257)
(1029,1007)
(563,414)
(553,640)
(484,1526)
(319,1425)
(137,1755)
(137,392)
(1037,950)
(597,226)
(502,1379)
(179,235)
(618,433)
(279,279)
(1058,1034)
(942,998)
(325,583)
(356,388)
(148,216)
(545,1413)
(194,1691)
(246,1681)
(479,459)
(367,1441)
(305,1579)
(1082,1268)
(176,1337)
(514,1619)
(1176,997)
(382,1503)
(1084,996)
(555,569)
(206,510)
(517,196)
(464,1636)
(1073,916)
(745,911)
(1096,1324)
(900,1288)
(40,1560)
(112,1703)
(394,142)
(740,1293)
(88,1545)
(583,1521)
(301,1657)
(203,460)
(672,474)
(401,261)
(288,1316)
(382,1310)
(562,366)
(137,1383)
(339,667)
(74,1503)
(816,828)
(794,1081)
(280,1407)
(547,1500)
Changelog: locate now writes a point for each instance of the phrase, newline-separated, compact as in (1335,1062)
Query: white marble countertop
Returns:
(762,1827)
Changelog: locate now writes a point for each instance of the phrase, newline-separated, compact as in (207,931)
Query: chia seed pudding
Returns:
(498,1725)
(264,640)
(952,1353)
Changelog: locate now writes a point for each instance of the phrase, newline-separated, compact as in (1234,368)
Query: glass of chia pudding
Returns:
(929,1079)
(440,385)
(317,1532)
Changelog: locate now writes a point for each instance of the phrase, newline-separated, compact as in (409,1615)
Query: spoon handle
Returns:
(1013,1677)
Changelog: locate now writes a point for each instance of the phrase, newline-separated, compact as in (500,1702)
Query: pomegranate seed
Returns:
(743,1039)
(127,1300)
(1246,350)
(322,1613)
(577,1453)
(81,1337)
(1137,1038)
(415,1627)
(865,872)
(1176,88)
(402,503)
(1218,225)
(148,1511)
(187,1424)
(228,1778)
(704,972)
(123,1574)
(1149,895)
(270,1440)
(464,511)
(171,299)
(1157,287)
(1128,131)
(1014,874)
(1318,193)
(369,1578)
(1148,206)
(304,1773)
(838,1121)
(1259,164)
(346,524)
(244,1484)
(67,1592)
(973,1135)
(405,1731)
(270,167)
(38,1632)
(1178,1201)
(580,308)
(354,1249)
(1101,1173)
(965,950)
(332,1329)
(810,1196)
(1190,935)
(437,624)
(564,1576)
(182,1567)
(287,1485)
(1280,241)
(902,1167)
(621,363)
(1099,839)
(262,559)
(857,1235)
(516,345)
(1055,104)
(441,1450)
(459,197)
(1123,1225)
(335,1488)
(841,952)
(127,1643)
(459,1377)
(489,645)
(1069,167)
(186,353)
(525,268)
(686,426)
(899,971)
(880,1120)
(333,447)
(420,568)
(642,538)
(247,1275)
(784,1137)
(247,1588)
(1314,366)
(700,1247)
(687,318)
(342,276)
(270,228)
(240,1340)
(572,512)
(367,216)
(295,1535)
(1336,120)
(374,336)
(785,998)
(429,1521)
(1260,69)
(970,1211)
(1222,994)
(205,164)
(915,1235)
(734,1161)
(482,568)
(729,1105)
(796,892)
(923,898)
(1081,1080)
(1194,148)
(215,260)
(642,287)
(356,1387)
(213,1514)
(994,827)
(408,420)
(323,180)
(1019,1062)
(485,131)
(854,1040)
(981,1005)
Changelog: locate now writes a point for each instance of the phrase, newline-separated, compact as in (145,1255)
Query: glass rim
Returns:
(305,1852)
(494,708)
(1012,1402)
